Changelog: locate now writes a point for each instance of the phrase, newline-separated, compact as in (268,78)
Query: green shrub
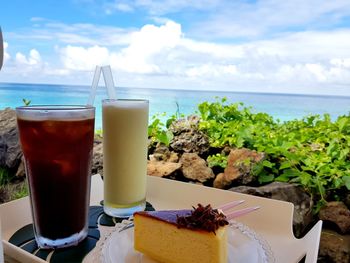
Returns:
(158,131)
(313,151)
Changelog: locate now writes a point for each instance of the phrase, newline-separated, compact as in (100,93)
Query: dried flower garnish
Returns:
(203,217)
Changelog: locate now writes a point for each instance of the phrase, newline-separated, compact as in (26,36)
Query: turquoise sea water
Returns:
(281,106)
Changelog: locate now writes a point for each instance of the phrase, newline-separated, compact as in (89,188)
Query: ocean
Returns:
(281,106)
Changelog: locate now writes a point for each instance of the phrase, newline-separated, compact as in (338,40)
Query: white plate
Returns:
(244,245)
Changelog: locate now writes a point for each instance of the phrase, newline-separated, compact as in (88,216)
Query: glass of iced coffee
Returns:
(57,143)
(125,124)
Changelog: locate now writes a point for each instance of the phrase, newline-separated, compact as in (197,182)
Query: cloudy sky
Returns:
(290,46)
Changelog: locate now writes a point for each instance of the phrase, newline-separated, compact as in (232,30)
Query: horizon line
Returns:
(192,90)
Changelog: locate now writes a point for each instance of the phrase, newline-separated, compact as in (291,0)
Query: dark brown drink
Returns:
(58,159)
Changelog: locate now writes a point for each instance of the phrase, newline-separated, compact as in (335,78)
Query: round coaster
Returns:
(106,220)
(24,238)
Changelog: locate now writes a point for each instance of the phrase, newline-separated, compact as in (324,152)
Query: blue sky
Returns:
(299,46)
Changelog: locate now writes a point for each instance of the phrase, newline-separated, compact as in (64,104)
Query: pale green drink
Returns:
(125,124)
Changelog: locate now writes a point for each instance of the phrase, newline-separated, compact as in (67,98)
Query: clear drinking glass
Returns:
(57,143)
(125,124)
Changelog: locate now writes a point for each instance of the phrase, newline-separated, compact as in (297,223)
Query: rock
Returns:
(226,150)
(162,168)
(195,168)
(220,181)
(187,137)
(4,196)
(21,172)
(237,170)
(184,125)
(334,248)
(10,150)
(293,193)
(162,153)
(97,158)
(174,157)
(11,190)
(347,200)
(338,214)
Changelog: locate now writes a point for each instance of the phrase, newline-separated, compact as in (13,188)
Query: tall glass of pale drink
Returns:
(125,124)
(57,144)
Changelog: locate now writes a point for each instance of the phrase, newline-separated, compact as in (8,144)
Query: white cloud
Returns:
(157,7)
(208,71)
(151,41)
(172,6)
(300,59)
(80,58)
(138,57)
(124,7)
(163,56)
(341,62)
(33,58)
(78,34)
(110,8)
(37,19)
(243,19)
(317,70)
(240,19)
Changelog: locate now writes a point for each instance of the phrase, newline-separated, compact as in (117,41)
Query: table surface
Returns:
(273,221)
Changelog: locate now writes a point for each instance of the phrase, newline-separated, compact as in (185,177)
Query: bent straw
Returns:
(241,212)
(107,74)
(230,205)
(94,86)
(230,215)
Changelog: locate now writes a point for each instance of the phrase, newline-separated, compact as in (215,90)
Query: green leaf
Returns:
(285,164)
(165,137)
(217,160)
(169,122)
(290,173)
(266,178)
(26,102)
(305,178)
(282,178)
(240,142)
(342,122)
(257,168)
(268,164)
(346,180)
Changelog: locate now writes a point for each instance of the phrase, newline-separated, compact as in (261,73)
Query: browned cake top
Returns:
(199,218)
(203,217)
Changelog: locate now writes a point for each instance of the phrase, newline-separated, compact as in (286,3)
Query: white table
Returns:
(273,221)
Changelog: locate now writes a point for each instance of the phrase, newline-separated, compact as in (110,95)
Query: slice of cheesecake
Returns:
(182,236)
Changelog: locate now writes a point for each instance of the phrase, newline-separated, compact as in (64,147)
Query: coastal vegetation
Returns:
(312,152)
(230,146)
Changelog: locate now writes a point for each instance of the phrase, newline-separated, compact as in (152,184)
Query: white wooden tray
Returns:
(273,221)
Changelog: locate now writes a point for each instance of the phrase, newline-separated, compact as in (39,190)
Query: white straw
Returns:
(107,74)
(241,212)
(230,205)
(94,86)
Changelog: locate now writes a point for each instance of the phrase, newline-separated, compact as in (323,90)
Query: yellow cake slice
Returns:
(182,236)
